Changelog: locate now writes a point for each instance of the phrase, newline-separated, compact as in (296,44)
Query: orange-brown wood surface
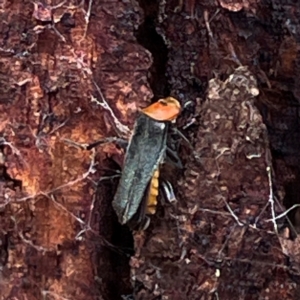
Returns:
(73,72)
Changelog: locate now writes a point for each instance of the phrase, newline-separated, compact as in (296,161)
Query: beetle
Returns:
(137,191)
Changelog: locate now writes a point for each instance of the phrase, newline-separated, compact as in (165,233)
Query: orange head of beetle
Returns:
(166,109)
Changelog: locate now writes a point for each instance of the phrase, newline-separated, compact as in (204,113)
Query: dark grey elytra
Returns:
(146,150)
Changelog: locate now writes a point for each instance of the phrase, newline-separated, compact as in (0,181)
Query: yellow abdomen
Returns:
(153,193)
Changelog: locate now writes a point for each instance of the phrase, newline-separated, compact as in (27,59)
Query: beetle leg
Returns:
(183,137)
(168,191)
(140,221)
(139,225)
(169,195)
(121,142)
(172,158)
(145,223)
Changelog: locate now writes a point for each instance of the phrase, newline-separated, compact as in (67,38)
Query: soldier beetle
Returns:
(137,192)
(139,185)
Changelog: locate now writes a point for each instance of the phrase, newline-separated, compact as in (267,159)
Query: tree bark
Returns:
(74,72)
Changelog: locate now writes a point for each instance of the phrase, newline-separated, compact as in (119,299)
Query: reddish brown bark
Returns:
(234,67)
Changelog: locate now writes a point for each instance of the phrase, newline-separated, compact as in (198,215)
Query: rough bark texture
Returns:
(77,71)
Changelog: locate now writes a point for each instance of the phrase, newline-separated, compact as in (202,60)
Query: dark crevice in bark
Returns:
(148,37)
(4,176)
(122,238)
(114,258)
